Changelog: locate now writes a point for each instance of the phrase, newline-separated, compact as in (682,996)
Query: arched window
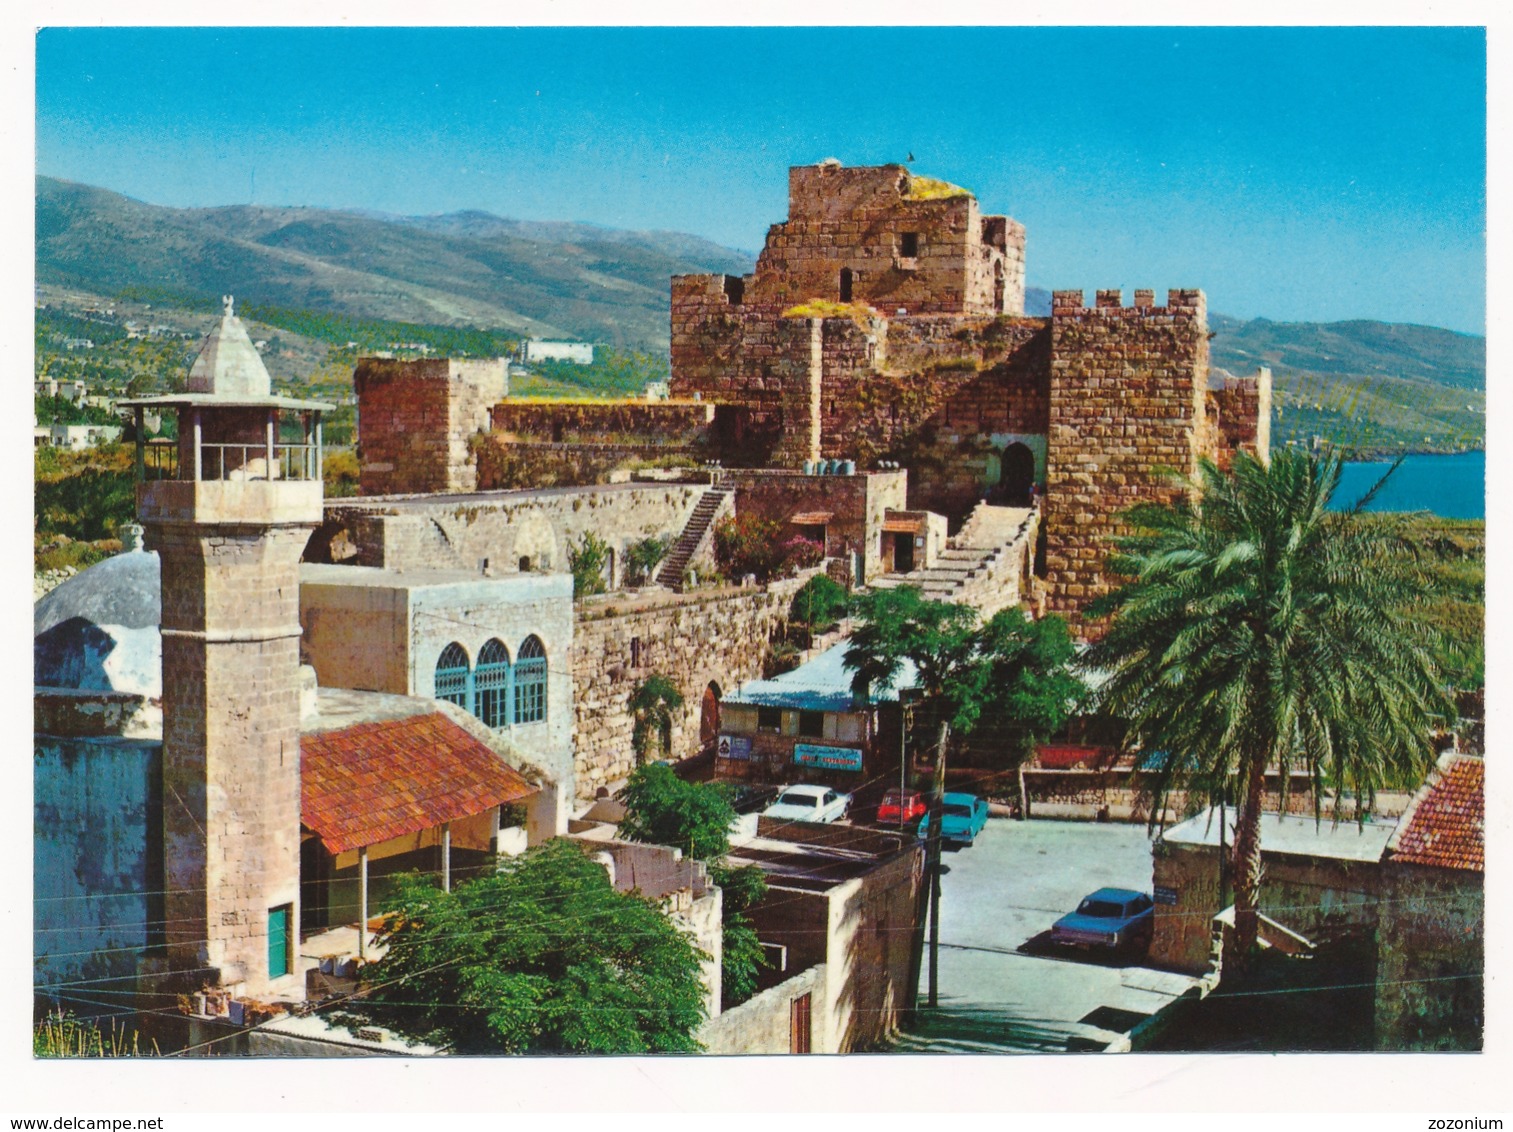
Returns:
(491,680)
(452,676)
(530,682)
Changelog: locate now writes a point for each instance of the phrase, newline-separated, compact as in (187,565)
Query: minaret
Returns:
(229,509)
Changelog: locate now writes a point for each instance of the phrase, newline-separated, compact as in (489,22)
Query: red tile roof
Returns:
(1443,825)
(366,783)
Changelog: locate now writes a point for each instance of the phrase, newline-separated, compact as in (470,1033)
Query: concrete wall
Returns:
(763,1023)
(97,875)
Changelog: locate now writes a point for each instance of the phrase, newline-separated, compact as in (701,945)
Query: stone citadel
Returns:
(884,324)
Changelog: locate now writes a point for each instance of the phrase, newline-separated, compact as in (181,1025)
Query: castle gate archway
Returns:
(1018,475)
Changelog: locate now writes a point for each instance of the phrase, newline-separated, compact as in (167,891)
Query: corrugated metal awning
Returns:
(812,518)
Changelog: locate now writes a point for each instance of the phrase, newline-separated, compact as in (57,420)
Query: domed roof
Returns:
(99,631)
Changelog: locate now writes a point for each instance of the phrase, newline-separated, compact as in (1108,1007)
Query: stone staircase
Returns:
(977,564)
(696,532)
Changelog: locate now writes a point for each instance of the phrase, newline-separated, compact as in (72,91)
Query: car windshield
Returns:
(797,799)
(957,810)
(1102,909)
(892,798)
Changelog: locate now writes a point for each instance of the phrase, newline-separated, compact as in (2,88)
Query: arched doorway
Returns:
(709,717)
(1018,474)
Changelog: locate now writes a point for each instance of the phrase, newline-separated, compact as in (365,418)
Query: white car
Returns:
(809,803)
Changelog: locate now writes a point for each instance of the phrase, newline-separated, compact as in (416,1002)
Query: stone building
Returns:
(885,320)
(1409,891)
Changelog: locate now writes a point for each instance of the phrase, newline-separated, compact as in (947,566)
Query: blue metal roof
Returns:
(821,684)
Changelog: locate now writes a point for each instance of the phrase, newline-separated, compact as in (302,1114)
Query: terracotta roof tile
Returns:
(366,783)
(1443,825)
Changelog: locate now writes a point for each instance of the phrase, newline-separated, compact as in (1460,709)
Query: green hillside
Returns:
(598,286)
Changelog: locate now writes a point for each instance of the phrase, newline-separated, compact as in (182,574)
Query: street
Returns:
(1001,894)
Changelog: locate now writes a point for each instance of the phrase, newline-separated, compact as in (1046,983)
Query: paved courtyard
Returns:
(1003,893)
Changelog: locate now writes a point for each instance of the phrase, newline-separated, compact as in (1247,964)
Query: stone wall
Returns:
(415,420)
(1309,895)
(763,1023)
(707,637)
(501,528)
(864,931)
(231,726)
(1242,409)
(1127,399)
(857,503)
(1430,957)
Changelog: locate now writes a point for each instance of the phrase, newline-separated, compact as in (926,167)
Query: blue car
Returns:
(1111,919)
(961,819)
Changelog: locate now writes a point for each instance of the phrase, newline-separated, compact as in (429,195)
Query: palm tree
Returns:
(1258,628)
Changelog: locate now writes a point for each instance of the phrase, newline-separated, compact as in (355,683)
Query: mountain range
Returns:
(1421,385)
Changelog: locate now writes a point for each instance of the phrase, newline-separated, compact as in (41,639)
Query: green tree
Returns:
(1031,690)
(652,705)
(663,809)
(941,640)
(587,559)
(543,956)
(742,958)
(819,604)
(1264,630)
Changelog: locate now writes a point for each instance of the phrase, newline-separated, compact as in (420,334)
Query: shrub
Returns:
(748,544)
(587,559)
(642,558)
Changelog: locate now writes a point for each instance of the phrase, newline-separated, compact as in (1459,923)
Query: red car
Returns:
(901,807)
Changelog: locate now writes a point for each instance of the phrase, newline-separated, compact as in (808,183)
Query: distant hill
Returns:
(551,280)
(1380,384)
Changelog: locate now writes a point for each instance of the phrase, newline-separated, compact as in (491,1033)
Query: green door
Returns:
(278,941)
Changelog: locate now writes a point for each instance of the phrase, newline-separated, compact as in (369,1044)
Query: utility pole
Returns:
(932,851)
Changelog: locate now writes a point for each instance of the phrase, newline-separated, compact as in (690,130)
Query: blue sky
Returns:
(1296,174)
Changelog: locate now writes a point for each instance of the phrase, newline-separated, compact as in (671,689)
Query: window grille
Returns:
(491,680)
(452,676)
(530,682)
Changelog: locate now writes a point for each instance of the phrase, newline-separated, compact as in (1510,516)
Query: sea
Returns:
(1453,486)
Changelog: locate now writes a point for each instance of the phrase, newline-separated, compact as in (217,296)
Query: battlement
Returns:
(1066,304)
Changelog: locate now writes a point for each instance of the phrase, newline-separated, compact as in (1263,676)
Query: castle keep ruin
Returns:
(885,321)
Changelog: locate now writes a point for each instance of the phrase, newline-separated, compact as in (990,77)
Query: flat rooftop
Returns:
(1294,834)
(423,502)
(379,577)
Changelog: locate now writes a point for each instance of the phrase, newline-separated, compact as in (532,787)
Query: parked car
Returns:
(1111,918)
(809,803)
(961,820)
(901,807)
